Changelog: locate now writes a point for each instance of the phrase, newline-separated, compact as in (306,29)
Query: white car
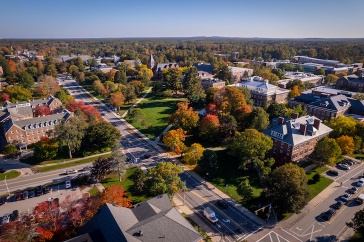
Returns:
(360,182)
(6,219)
(345,166)
(68,172)
(68,184)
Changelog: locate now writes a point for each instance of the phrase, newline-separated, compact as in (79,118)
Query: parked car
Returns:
(3,200)
(72,171)
(31,194)
(6,219)
(15,215)
(349,162)
(68,184)
(39,191)
(18,196)
(346,197)
(329,214)
(25,195)
(46,190)
(333,172)
(222,203)
(338,205)
(344,166)
(353,190)
(147,156)
(360,182)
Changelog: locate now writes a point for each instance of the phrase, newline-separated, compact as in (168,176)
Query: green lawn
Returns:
(315,188)
(128,183)
(9,175)
(357,156)
(157,111)
(94,191)
(69,164)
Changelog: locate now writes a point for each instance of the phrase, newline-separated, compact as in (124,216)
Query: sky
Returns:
(183,18)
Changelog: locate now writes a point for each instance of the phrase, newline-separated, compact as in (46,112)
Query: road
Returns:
(237,226)
(312,227)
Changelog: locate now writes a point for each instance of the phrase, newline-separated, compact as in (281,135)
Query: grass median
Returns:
(69,164)
(9,175)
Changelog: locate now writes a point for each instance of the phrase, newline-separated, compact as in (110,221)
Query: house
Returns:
(262,92)
(295,138)
(205,67)
(149,221)
(157,68)
(352,82)
(133,63)
(238,73)
(212,82)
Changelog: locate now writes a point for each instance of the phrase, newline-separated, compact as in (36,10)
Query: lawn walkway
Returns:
(137,102)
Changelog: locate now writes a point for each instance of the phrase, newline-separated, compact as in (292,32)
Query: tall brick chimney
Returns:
(280,120)
(303,128)
(316,123)
(294,116)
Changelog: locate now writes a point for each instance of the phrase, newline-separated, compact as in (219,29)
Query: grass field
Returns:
(128,184)
(9,175)
(315,188)
(157,111)
(69,164)
(94,191)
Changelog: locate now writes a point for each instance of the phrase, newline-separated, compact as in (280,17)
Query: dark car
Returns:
(14,215)
(223,204)
(46,190)
(18,197)
(39,191)
(333,172)
(329,214)
(25,195)
(31,194)
(349,162)
(147,156)
(3,200)
(353,190)
(338,205)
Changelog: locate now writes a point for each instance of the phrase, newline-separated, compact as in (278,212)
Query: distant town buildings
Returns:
(315,80)
(64,58)
(295,138)
(212,82)
(262,92)
(157,68)
(240,73)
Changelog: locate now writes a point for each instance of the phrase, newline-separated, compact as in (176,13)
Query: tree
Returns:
(249,145)
(92,63)
(88,110)
(327,151)
(228,99)
(47,85)
(4,97)
(209,162)
(129,93)
(184,117)
(117,99)
(26,80)
(45,149)
(211,108)
(258,119)
(357,223)
(294,92)
(342,126)
(331,79)
(193,154)
(115,194)
(346,144)
(247,95)
(210,93)
(241,115)
(288,189)
(138,116)
(10,150)
(73,70)
(174,140)
(209,127)
(192,87)
(224,74)
(63,96)
(12,65)
(228,126)
(101,136)
(139,179)
(71,132)
(100,168)
(165,179)
(80,76)
(359,96)
(138,87)
(42,110)
(276,110)
(145,74)
(118,159)
(172,78)
(319,71)
(99,88)
(245,190)
(18,93)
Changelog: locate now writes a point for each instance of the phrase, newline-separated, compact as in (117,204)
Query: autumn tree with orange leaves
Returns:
(174,140)
(115,194)
(47,86)
(184,117)
(209,128)
(228,99)
(117,99)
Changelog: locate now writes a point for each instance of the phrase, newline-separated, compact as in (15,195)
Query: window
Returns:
(10,138)
(33,132)
(17,131)
(12,132)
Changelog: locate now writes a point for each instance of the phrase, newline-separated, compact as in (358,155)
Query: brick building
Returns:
(352,82)
(295,138)
(212,82)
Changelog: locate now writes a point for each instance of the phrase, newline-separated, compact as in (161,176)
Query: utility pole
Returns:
(7,186)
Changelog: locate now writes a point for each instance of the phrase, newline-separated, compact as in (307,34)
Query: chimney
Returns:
(280,120)
(303,128)
(316,123)
(294,116)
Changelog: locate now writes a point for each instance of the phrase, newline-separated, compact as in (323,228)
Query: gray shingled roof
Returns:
(291,130)
(161,66)
(160,222)
(337,103)
(34,102)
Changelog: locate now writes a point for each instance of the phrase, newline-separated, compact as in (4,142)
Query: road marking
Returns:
(291,235)
(270,236)
(313,226)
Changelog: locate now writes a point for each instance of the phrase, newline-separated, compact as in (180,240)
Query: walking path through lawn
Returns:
(137,102)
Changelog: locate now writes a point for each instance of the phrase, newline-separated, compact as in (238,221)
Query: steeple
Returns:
(151,62)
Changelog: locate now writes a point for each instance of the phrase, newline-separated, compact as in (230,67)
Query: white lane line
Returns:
(270,236)
(262,237)
(350,172)
(291,235)
(313,227)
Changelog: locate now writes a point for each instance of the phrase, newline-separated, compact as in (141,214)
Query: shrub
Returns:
(316,178)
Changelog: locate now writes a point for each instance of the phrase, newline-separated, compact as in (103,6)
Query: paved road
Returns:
(239,225)
(312,227)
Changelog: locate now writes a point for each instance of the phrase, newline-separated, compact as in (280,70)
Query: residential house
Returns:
(352,82)
(295,138)
(149,221)
(262,92)
(212,82)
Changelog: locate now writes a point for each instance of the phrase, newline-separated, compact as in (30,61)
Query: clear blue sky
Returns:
(184,18)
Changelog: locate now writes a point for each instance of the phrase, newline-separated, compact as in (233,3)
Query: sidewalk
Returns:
(137,102)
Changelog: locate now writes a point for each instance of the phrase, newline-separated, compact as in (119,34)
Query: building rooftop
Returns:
(256,84)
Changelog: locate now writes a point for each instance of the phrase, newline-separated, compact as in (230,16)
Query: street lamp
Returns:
(7,186)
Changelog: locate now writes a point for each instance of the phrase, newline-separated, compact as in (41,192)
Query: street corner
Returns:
(276,235)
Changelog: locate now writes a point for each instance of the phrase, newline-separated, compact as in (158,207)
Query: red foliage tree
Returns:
(115,194)
(241,115)
(4,97)
(88,110)
(44,234)
(211,108)
(12,65)
(41,110)
(209,127)
(74,105)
